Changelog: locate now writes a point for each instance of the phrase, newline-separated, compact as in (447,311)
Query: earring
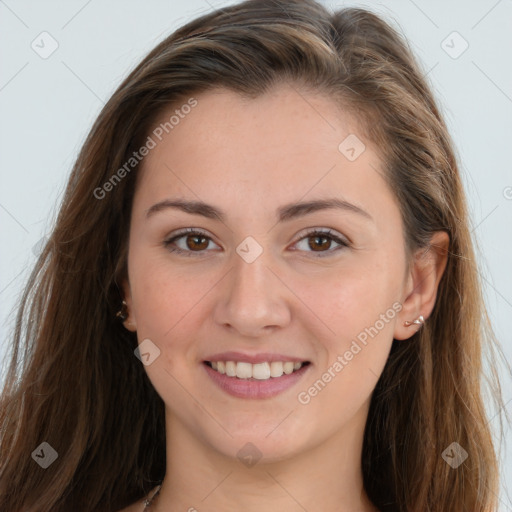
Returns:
(419,321)
(123,312)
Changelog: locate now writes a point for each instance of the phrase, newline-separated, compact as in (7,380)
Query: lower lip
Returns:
(254,388)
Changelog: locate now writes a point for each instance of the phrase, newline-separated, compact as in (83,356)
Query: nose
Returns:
(254,300)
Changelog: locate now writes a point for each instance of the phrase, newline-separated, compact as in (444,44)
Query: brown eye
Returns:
(195,242)
(320,242)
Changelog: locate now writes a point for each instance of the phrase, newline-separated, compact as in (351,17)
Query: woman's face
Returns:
(259,283)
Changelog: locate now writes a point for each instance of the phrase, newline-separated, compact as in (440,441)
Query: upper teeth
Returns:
(260,371)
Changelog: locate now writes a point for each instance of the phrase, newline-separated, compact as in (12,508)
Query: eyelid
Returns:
(325,231)
(185,231)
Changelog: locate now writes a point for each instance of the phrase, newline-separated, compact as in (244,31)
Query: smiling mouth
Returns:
(259,371)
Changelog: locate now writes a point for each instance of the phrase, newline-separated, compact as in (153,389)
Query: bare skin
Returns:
(302,295)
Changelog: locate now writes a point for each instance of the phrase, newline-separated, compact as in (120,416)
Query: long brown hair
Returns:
(73,380)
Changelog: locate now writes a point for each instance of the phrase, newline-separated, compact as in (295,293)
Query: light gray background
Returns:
(48,106)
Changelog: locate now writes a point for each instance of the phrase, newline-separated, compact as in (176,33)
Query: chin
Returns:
(264,444)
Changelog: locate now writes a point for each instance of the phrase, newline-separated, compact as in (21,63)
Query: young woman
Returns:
(260,292)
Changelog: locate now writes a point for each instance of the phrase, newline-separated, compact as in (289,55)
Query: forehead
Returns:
(280,146)
(284,121)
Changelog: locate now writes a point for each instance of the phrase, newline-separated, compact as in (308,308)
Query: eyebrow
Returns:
(285,213)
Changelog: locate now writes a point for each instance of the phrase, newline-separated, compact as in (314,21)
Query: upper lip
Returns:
(254,358)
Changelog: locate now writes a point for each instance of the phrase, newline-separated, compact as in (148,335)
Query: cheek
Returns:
(359,312)
(357,308)
(352,298)
(168,300)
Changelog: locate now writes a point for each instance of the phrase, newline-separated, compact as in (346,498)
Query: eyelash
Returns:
(191,231)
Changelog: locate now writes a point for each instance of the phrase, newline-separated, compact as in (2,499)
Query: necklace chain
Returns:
(147,502)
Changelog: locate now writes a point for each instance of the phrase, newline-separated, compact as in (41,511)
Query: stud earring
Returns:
(123,312)
(419,321)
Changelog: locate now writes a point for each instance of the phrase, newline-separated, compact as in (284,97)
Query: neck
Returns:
(325,477)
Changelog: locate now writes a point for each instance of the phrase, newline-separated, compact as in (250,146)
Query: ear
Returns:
(131,322)
(421,285)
